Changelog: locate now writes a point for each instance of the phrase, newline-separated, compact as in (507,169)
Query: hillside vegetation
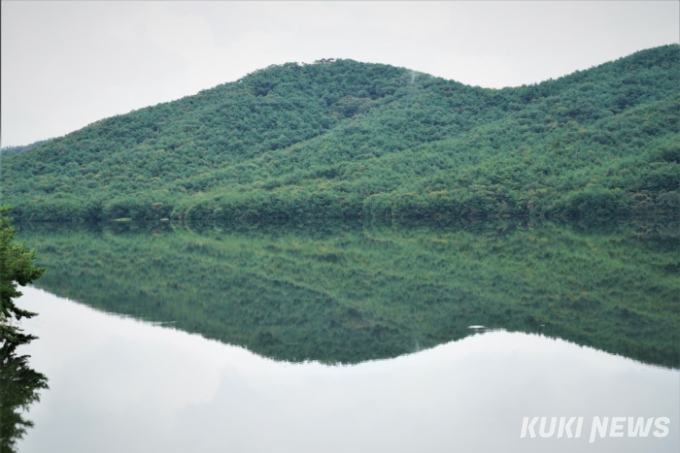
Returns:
(342,139)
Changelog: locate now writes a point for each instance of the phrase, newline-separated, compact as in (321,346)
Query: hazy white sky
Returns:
(68,64)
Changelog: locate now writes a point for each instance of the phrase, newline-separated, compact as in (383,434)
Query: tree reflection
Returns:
(20,386)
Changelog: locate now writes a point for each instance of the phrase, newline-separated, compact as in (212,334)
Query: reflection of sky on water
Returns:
(117,384)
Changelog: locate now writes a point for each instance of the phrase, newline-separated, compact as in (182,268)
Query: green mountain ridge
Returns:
(342,139)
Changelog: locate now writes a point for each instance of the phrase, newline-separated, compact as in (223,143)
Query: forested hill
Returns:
(9,150)
(339,138)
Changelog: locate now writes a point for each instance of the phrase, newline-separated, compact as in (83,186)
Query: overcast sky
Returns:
(68,64)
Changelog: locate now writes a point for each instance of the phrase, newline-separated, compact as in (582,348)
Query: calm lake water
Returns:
(337,338)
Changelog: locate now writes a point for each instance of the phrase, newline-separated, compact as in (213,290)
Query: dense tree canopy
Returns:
(16,268)
(339,138)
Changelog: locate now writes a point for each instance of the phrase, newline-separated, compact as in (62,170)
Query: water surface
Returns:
(118,384)
(338,338)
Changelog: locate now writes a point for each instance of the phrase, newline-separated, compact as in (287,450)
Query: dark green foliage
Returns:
(19,384)
(342,139)
(595,203)
(9,150)
(16,268)
(19,388)
(347,293)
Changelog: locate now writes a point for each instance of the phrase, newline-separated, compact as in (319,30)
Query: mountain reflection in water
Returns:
(345,293)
